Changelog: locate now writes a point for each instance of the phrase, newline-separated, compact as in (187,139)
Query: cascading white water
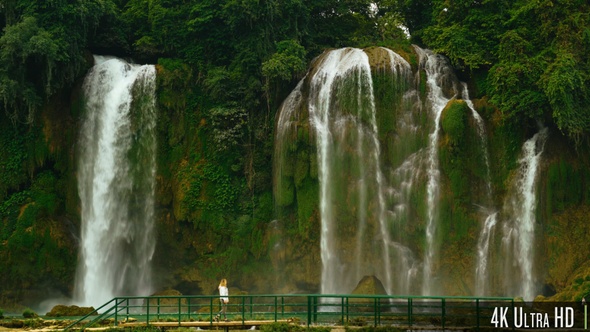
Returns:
(490,220)
(116,182)
(437,69)
(483,245)
(330,121)
(403,177)
(379,187)
(481,130)
(342,116)
(519,228)
(286,124)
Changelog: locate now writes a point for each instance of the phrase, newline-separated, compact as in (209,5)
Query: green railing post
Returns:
(243,309)
(116,310)
(276,308)
(410,312)
(375,311)
(315,309)
(188,300)
(477,313)
(211,310)
(282,307)
(148,312)
(308,310)
(347,309)
(251,309)
(158,304)
(179,310)
(342,310)
(443,311)
(379,311)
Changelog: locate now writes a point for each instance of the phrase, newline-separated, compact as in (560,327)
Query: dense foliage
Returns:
(42,49)
(534,54)
(224,66)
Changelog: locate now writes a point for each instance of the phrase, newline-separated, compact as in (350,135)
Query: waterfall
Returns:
(481,130)
(491,216)
(343,126)
(358,199)
(403,177)
(286,134)
(437,73)
(519,227)
(483,245)
(116,182)
(363,129)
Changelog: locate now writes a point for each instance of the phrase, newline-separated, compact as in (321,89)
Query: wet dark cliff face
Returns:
(39,223)
(218,215)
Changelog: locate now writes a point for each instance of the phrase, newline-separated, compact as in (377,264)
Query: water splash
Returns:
(116,182)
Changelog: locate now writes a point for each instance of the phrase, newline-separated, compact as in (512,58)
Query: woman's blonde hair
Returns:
(223,283)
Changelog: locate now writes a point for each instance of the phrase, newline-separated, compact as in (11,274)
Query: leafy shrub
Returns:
(285,327)
(28,313)
(33,323)
(1,313)
(280,327)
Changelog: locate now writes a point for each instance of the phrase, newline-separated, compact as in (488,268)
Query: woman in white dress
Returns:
(223,298)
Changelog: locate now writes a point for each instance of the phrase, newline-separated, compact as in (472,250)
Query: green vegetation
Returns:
(285,327)
(454,121)
(224,67)
(537,67)
(42,49)
(28,313)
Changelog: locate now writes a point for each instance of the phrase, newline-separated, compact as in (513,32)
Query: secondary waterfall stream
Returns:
(437,70)
(116,181)
(518,231)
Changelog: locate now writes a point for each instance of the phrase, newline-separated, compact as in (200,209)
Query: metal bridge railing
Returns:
(307,309)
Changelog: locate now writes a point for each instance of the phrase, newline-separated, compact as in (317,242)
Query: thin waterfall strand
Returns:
(519,229)
(436,68)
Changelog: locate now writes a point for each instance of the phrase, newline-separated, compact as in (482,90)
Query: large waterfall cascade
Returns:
(327,124)
(370,195)
(116,181)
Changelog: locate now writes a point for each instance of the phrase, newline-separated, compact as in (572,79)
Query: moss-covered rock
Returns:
(369,285)
(454,121)
(61,310)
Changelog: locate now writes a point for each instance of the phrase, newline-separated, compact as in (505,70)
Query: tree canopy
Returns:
(42,49)
(534,54)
